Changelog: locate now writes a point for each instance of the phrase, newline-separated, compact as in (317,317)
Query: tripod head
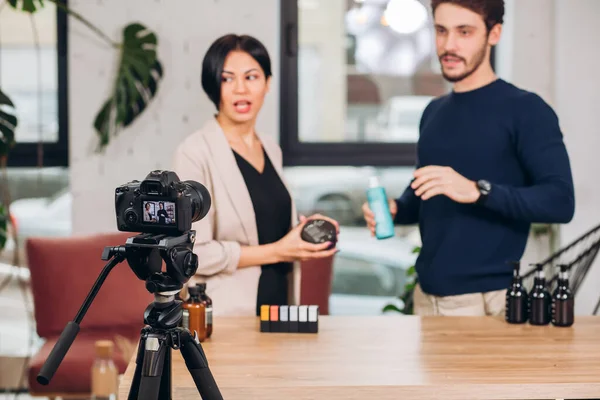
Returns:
(144,254)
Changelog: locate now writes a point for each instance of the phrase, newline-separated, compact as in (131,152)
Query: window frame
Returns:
(55,154)
(298,153)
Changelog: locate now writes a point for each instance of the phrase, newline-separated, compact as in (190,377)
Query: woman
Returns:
(148,214)
(248,247)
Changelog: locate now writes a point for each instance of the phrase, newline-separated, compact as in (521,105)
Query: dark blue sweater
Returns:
(511,138)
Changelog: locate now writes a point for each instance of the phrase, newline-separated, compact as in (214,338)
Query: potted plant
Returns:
(407,295)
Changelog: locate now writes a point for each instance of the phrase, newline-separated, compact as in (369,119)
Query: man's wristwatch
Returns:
(484,188)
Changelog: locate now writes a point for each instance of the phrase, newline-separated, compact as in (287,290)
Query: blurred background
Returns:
(351,79)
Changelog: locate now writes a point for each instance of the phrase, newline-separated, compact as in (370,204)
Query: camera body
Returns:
(161,203)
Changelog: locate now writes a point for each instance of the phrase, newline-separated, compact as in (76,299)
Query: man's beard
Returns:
(477,61)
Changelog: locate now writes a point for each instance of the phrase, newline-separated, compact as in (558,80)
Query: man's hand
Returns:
(370,216)
(434,180)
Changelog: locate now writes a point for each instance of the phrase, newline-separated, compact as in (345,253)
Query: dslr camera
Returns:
(160,204)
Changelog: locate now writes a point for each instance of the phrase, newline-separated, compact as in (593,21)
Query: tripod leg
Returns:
(155,350)
(196,363)
(139,360)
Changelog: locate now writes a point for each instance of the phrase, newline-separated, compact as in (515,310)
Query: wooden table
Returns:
(398,357)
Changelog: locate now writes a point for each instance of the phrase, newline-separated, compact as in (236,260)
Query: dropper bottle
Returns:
(563,301)
(516,298)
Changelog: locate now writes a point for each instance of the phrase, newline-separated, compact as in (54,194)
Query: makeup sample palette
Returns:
(290,319)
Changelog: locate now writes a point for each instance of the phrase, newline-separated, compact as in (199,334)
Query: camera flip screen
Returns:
(159,212)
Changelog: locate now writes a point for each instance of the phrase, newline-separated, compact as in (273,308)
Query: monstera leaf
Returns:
(27,5)
(136,83)
(8,123)
(3,225)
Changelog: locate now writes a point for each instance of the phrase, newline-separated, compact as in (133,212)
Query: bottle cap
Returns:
(201,287)
(563,267)
(194,290)
(373,182)
(104,348)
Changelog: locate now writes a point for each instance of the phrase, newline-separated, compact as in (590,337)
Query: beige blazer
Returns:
(206,157)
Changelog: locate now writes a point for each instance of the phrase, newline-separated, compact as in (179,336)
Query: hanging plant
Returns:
(138,74)
(8,123)
(135,85)
(27,5)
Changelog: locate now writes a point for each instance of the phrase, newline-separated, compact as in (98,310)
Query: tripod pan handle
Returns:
(64,342)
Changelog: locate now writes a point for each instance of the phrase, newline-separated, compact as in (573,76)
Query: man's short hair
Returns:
(492,11)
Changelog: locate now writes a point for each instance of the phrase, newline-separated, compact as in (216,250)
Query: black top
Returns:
(510,138)
(273,210)
(162,216)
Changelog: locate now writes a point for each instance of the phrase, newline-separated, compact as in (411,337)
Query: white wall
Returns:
(577,98)
(551,50)
(185,30)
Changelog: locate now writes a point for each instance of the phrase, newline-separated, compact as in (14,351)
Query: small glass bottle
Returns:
(516,299)
(207,301)
(197,312)
(540,303)
(563,301)
(105,376)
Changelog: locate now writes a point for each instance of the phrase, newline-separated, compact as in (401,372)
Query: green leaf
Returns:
(8,123)
(29,6)
(136,83)
(411,271)
(391,307)
(3,226)
(416,250)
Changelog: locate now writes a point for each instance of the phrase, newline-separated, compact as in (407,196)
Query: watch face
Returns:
(484,187)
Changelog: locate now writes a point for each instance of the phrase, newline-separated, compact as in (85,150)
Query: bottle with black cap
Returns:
(540,302)
(563,301)
(208,304)
(516,298)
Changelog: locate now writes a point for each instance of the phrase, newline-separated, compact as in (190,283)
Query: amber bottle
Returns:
(197,312)
(207,301)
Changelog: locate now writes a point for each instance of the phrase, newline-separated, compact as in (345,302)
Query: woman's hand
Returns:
(304,219)
(292,248)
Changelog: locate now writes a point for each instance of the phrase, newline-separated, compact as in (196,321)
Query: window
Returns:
(356,77)
(36,82)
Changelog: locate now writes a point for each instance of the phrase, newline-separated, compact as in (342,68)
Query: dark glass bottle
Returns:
(563,301)
(516,299)
(540,302)
(207,301)
(197,314)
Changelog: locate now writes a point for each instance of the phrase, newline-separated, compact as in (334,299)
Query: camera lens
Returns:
(200,199)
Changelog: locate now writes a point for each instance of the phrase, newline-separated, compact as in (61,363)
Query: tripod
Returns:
(152,377)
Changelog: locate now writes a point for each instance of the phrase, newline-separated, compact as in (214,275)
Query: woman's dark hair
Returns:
(212,66)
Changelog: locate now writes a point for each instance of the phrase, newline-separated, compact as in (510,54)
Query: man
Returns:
(491,161)
(162,214)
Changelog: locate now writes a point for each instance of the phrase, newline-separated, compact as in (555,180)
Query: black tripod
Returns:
(152,377)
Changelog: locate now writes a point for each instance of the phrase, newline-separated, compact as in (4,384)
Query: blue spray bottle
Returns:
(378,203)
